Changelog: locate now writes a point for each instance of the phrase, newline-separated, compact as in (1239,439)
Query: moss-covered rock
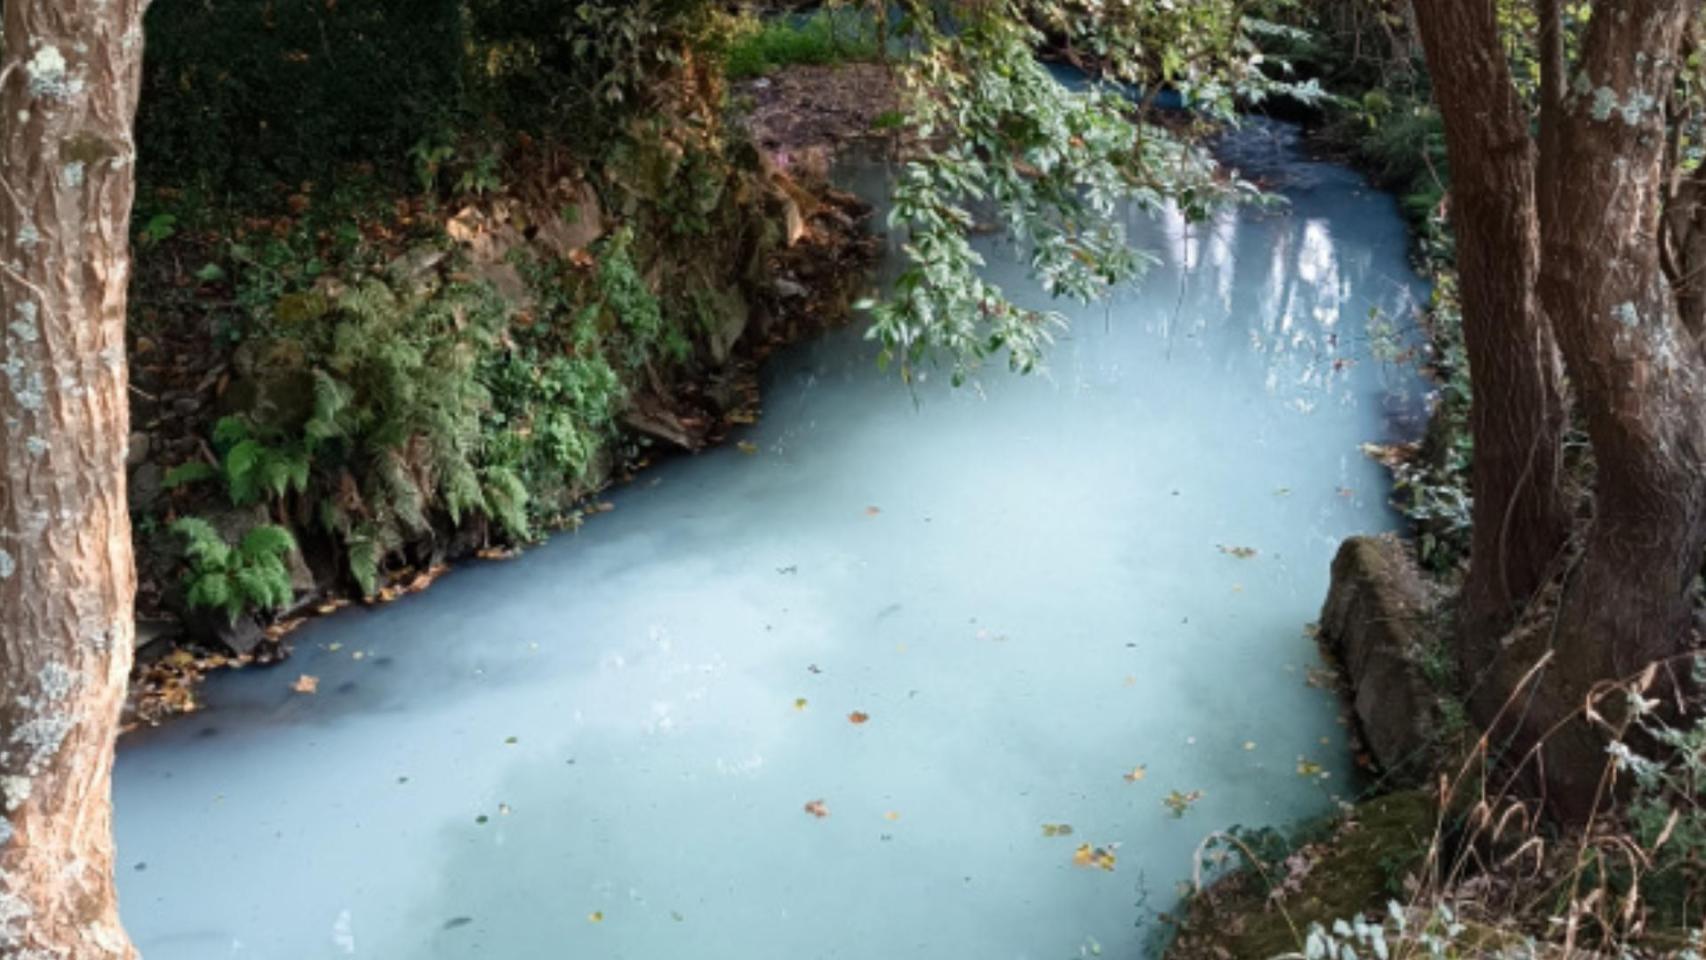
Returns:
(1257,914)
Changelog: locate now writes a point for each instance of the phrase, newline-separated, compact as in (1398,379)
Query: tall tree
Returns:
(1521,520)
(68,92)
(1579,235)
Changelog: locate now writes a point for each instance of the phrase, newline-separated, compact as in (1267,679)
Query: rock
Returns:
(241,636)
(147,485)
(1375,623)
(136,452)
(790,289)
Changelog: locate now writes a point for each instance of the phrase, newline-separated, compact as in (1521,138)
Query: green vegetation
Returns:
(826,36)
(236,579)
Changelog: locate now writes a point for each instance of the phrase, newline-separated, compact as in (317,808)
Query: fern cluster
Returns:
(236,578)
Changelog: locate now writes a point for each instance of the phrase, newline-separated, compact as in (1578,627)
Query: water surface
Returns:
(1052,600)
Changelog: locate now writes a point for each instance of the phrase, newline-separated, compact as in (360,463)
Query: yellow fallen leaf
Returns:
(1057,829)
(892,816)
(1137,773)
(799,703)
(1096,857)
(597,916)
(746,448)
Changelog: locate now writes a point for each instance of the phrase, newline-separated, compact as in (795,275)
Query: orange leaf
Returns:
(858,717)
(818,809)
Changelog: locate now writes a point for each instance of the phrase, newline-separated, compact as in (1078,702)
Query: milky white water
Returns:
(604,748)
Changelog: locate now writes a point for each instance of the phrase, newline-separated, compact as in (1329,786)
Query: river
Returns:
(839,693)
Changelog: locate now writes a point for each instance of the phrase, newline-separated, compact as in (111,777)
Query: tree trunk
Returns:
(1638,376)
(67,98)
(1521,518)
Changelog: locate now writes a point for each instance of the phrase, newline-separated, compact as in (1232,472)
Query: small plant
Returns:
(236,579)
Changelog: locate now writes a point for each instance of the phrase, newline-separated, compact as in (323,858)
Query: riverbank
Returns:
(787,256)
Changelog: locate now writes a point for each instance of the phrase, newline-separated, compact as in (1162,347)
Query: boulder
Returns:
(1375,623)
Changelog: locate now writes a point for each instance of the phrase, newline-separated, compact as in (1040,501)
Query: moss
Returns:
(1355,871)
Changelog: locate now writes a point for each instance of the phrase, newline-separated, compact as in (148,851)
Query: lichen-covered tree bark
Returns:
(68,89)
(1639,375)
(1564,246)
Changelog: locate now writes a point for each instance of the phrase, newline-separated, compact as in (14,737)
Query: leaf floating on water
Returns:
(1242,553)
(1057,829)
(597,916)
(511,741)
(799,703)
(1179,803)
(1308,768)
(1130,680)
(504,810)
(306,684)
(482,819)
(818,809)
(858,717)
(747,448)
(873,511)
(1137,773)
(892,816)
(1102,858)
(1249,744)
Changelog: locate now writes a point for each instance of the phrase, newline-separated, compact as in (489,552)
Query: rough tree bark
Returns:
(1638,374)
(1521,518)
(68,92)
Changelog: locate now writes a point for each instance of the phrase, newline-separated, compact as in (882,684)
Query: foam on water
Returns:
(1031,586)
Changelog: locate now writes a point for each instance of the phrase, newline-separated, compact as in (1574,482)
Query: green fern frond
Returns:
(186,474)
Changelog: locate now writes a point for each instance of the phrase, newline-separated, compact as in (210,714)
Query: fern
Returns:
(189,474)
(236,580)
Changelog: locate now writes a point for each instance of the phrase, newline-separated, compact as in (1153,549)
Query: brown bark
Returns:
(1521,520)
(1638,377)
(67,98)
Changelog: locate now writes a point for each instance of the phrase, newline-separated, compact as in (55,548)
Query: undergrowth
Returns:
(829,35)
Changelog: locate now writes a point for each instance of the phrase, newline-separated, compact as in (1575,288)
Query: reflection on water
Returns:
(1037,597)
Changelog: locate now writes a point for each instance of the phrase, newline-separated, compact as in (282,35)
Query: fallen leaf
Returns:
(799,703)
(1057,829)
(873,511)
(747,448)
(1130,680)
(1096,857)
(1242,553)
(818,809)
(306,684)
(1137,773)
(1178,802)
(858,717)
(1308,768)
(1249,744)
(597,916)
(892,816)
